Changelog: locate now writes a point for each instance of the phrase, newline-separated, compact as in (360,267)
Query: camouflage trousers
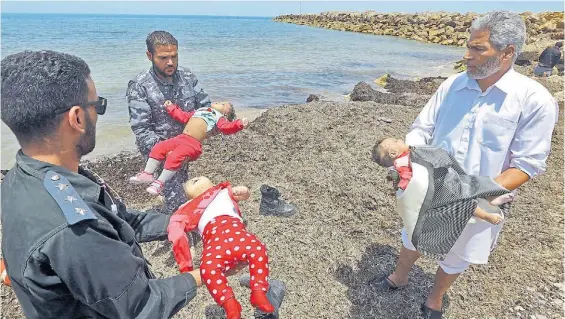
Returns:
(174,195)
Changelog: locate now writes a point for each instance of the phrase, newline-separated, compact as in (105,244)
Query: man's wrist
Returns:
(196,275)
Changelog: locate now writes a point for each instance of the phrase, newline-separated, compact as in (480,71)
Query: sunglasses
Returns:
(100,106)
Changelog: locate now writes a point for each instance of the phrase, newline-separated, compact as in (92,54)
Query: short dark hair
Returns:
(157,38)
(376,153)
(559,44)
(37,83)
(231,115)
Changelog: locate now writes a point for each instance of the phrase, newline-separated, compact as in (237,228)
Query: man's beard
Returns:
(160,72)
(87,141)
(490,67)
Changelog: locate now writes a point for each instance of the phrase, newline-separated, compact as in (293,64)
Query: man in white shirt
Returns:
(495,122)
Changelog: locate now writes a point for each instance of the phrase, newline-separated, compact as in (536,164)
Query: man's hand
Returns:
(169,106)
(196,274)
(245,121)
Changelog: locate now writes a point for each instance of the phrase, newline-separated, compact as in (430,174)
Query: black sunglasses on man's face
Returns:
(100,106)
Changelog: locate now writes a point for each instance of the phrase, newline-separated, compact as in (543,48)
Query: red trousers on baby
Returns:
(226,243)
(176,150)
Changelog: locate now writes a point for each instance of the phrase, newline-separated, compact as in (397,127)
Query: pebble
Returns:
(519,308)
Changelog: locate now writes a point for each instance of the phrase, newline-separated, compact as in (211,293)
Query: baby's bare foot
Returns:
(493,218)
(503,199)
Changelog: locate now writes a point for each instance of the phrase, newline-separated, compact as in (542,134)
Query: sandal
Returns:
(384,283)
(430,313)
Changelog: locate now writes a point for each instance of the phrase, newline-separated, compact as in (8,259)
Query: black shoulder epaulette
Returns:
(72,205)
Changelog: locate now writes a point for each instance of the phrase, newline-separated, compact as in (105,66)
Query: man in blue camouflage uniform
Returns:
(147,92)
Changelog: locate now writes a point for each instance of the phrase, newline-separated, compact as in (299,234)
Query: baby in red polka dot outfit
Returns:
(214,211)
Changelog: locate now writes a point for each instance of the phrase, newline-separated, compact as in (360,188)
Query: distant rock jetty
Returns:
(445,28)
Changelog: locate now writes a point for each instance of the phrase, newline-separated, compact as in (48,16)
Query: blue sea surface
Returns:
(252,62)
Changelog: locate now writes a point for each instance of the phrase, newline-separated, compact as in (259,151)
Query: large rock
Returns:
(425,86)
(363,92)
(447,42)
(436,32)
(312,98)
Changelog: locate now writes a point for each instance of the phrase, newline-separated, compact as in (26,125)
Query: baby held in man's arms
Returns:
(200,124)
(395,154)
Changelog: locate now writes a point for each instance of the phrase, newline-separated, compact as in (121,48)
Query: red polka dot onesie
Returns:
(226,242)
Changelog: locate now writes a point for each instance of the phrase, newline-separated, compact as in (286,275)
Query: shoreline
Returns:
(126,142)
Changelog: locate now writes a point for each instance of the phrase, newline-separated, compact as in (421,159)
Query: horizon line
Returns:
(231,16)
(132,14)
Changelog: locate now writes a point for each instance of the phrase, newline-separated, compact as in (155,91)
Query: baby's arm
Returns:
(227,127)
(177,113)
(240,193)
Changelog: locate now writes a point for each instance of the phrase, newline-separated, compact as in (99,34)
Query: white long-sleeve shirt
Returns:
(508,125)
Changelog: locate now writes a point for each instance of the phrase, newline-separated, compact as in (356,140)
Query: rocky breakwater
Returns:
(445,28)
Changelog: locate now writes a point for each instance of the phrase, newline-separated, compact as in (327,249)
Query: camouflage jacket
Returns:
(146,94)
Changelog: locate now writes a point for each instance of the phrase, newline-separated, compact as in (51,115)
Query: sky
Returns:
(267,8)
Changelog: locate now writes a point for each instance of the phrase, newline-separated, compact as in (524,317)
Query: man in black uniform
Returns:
(548,59)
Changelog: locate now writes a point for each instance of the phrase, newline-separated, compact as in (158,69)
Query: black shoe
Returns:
(271,204)
(275,294)
(383,283)
(429,313)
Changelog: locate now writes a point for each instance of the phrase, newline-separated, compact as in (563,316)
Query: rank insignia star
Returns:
(70,199)
(80,211)
(55,177)
(62,186)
